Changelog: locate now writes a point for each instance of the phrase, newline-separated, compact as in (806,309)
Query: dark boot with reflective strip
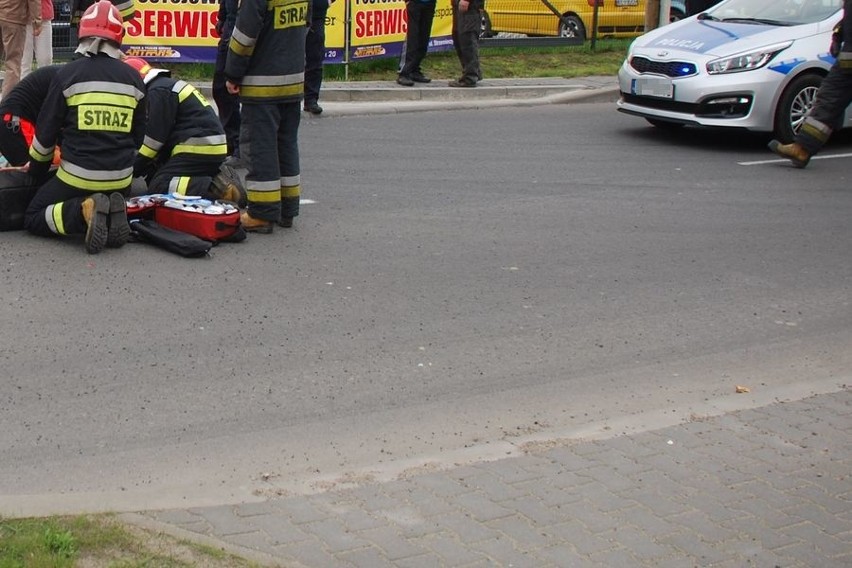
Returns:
(119,228)
(95,213)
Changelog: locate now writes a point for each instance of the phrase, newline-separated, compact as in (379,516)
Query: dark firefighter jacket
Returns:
(180,121)
(96,106)
(28,96)
(266,54)
(844,60)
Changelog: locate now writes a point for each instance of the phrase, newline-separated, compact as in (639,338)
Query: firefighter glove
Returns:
(836,40)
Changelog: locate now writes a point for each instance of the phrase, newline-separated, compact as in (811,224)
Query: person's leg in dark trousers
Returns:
(314,57)
(227,104)
(288,163)
(55,210)
(420,16)
(466,27)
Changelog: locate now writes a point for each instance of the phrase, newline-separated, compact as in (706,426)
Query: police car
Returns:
(750,64)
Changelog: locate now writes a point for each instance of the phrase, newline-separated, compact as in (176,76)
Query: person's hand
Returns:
(36,28)
(464,5)
(836,40)
(232,87)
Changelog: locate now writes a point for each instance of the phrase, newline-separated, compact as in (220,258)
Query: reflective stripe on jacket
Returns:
(266,54)
(97,108)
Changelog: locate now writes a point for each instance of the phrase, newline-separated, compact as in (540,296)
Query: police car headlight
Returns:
(746,61)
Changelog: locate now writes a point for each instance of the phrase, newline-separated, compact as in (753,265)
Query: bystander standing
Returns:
(315,55)
(466,27)
(39,44)
(420,15)
(15,16)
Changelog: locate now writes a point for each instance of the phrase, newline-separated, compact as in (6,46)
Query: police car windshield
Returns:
(774,12)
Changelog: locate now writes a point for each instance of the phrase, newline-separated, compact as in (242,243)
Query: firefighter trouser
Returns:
(227,105)
(834,95)
(466,28)
(269,144)
(55,209)
(186,174)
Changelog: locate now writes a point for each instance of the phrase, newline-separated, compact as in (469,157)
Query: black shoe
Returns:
(420,78)
(462,83)
(285,222)
(313,108)
(405,81)
(119,229)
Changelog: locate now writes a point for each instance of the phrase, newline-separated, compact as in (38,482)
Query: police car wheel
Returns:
(793,106)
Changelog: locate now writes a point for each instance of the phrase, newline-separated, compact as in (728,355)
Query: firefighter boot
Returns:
(285,222)
(228,186)
(95,211)
(119,228)
(253,225)
(793,152)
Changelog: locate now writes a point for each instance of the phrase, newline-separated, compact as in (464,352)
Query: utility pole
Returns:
(652,15)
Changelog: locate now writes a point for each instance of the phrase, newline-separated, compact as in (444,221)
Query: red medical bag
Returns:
(211,223)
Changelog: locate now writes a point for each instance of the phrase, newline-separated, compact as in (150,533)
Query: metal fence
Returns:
(64,38)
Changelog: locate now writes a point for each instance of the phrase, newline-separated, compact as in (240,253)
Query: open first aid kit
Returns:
(205,219)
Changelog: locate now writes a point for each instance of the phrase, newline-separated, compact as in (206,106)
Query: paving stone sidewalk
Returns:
(767,487)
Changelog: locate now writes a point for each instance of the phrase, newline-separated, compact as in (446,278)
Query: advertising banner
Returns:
(173,30)
(185,30)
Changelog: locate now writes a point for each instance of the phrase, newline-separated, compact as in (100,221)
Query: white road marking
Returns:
(306,201)
(784,160)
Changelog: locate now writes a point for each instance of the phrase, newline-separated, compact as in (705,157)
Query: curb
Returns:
(574,96)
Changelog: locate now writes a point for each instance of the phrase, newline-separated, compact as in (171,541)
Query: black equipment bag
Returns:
(178,242)
(17,189)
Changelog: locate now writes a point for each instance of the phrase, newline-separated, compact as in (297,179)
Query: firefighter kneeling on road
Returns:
(96,106)
(185,146)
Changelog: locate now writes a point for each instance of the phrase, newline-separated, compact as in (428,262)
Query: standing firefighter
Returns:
(96,106)
(834,95)
(185,144)
(266,67)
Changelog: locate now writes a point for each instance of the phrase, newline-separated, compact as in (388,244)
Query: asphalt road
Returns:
(455,279)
